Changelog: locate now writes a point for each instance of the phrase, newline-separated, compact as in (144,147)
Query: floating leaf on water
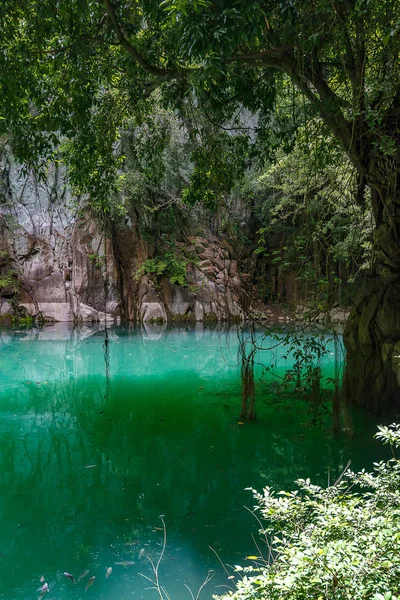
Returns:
(90,466)
(82,575)
(90,582)
(108,573)
(252,557)
(69,576)
(240,423)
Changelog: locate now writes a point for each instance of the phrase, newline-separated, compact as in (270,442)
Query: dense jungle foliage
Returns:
(276,124)
(319,80)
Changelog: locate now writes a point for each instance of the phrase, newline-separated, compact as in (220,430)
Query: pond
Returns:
(87,469)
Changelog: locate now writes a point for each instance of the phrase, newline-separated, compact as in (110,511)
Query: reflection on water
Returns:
(84,480)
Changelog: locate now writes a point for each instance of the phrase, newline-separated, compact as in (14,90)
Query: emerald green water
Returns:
(84,478)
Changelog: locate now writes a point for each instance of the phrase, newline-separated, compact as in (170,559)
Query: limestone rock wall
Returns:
(56,250)
(57,255)
(214,289)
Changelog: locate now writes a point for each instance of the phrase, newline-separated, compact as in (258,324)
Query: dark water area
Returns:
(86,474)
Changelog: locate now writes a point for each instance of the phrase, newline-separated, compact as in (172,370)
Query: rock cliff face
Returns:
(56,264)
(214,290)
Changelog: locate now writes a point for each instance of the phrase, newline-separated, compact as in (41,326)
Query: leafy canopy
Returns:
(75,69)
(313,222)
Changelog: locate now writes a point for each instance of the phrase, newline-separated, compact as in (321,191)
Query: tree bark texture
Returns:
(372,333)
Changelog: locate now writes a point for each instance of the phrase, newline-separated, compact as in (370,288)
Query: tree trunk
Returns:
(372,334)
(372,341)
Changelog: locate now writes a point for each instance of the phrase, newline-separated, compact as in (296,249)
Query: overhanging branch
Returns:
(261,55)
(311,82)
(130,49)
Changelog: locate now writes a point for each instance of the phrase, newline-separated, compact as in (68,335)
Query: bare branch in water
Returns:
(155,580)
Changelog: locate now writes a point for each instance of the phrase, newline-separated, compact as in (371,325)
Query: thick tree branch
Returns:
(130,49)
(336,64)
(330,111)
(262,55)
(311,82)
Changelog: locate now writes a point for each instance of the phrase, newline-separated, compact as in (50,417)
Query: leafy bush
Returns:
(23,321)
(8,282)
(340,543)
(170,265)
(98,260)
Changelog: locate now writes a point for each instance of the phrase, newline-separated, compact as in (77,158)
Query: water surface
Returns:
(86,473)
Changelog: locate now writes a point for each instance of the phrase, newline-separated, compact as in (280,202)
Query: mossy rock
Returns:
(210,318)
(156,321)
(187,318)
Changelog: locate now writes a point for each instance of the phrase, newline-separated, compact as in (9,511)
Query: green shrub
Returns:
(338,543)
(170,265)
(98,260)
(8,281)
(23,321)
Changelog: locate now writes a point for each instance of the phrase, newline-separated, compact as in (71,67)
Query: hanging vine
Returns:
(106,343)
(246,357)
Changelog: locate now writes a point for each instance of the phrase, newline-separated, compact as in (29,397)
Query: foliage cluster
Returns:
(97,260)
(178,167)
(23,321)
(157,150)
(8,280)
(334,543)
(72,81)
(219,162)
(155,170)
(172,264)
(313,222)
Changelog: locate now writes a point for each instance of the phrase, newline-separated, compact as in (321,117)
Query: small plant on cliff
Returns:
(171,265)
(23,321)
(7,281)
(97,260)
(339,543)
(9,285)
